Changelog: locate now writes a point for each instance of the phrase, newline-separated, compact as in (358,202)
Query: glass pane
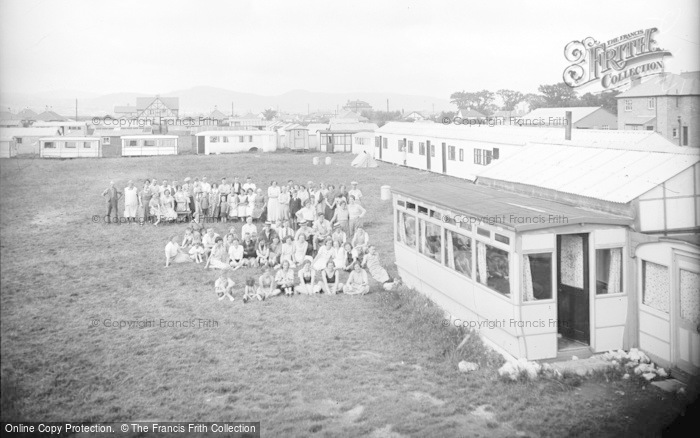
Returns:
(492,267)
(537,277)
(655,286)
(608,271)
(430,240)
(572,261)
(458,253)
(406,229)
(690,297)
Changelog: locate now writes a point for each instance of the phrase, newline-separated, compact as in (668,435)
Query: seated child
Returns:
(197,252)
(224,287)
(284,279)
(249,290)
(266,285)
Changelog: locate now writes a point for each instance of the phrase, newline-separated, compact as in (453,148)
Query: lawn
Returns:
(381,365)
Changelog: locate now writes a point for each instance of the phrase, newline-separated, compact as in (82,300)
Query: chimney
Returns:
(567,126)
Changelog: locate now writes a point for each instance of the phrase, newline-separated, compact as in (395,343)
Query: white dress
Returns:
(324,255)
(273,206)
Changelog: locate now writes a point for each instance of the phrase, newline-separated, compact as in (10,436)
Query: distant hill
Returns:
(204,99)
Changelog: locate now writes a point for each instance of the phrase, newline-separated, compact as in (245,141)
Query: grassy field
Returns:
(381,365)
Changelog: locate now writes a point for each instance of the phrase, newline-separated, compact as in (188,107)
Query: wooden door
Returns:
(573,301)
(427,154)
(200,144)
(687,314)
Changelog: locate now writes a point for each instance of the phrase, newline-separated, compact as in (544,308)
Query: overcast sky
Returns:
(269,47)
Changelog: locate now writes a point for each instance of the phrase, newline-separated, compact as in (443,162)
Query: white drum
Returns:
(385,193)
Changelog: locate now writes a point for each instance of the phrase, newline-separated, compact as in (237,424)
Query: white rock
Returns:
(649,376)
(661,372)
(626,376)
(466,367)
(574,357)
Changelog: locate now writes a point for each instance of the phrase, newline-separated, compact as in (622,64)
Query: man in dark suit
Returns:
(267,233)
(112,194)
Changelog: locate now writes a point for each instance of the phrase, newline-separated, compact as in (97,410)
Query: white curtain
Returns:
(615,271)
(481,262)
(423,239)
(527,280)
(402,226)
(450,250)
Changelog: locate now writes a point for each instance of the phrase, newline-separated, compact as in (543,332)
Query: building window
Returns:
(406,229)
(225,139)
(213,139)
(492,268)
(655,286)
(487,157)
(651,103)
(628,104)
(477,156)
(400,145)
(133,143)
(430,240)
(421,148)
(410,146)
(87,145)
(451,154)
(241,139)
(385,144)
(605,127)
(106,140)
(690,299)
(377,142)
(685,135)
(461,154)
(149,142)
(458,253)
(675,132)
(49,145)
(70,145)
(250,138)
(19,140)
(650,128)
(432,150)
(496,153)
(537,277)
(608,268)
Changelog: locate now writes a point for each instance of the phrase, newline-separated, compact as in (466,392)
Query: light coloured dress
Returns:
(375,268)
(273,206)
(168,208)
(283,202)
(242,206)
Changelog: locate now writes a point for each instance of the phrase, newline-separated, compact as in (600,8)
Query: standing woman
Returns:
(300,248)
(259,206)
(273,204)
(182,202)
(330,202)
(242,205)
(343,192)
(342,216)
(251,202)
(303,194)
(283,201)
(357,212)
(233,206)
(214,202)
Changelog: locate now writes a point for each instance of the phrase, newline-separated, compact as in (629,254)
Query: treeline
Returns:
(549,96)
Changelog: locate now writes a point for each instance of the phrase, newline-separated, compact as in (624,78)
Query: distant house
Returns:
(348,116)
(337,137)
(357,106)
(590,117)
(70,147)
(26,140)
(149,145)
(470,114)
(10,123)
(248,121)
(416,116)
(297,137)
(231,142)
(8,148)
(65,128)
(111,139)
(50,116)
(158,107)
(668,104)
(218,116)
(125,111)
(27,115)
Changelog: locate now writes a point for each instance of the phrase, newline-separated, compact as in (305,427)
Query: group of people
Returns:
(321,250)
(205,202)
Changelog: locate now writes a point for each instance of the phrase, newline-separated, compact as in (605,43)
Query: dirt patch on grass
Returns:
(48,218)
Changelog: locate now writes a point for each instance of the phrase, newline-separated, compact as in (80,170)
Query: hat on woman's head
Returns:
(187,179)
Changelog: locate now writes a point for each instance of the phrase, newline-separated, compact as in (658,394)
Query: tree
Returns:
(382,117)
(481,101)
(534,101)
(558,95)
(510,98)
(269,114)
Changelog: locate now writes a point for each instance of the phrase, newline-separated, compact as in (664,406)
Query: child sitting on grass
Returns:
(266,285)
(224,287)
(197,252)
(249,290)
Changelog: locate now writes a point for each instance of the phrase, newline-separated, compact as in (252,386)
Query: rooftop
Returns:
(667,84)
(509,210)
(577,112)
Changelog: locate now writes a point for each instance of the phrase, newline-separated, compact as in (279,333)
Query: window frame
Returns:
(628,105)
(553,276)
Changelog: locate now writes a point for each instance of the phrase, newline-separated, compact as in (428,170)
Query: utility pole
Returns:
(76,109)
(387,105)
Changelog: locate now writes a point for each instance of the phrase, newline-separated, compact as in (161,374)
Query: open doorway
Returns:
(573,301)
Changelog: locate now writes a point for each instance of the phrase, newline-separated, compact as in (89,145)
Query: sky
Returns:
(430,48)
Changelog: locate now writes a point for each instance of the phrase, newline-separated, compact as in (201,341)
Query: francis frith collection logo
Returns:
(614,62)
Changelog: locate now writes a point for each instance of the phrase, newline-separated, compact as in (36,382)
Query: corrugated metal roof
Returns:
(610,174)
(577,113)
(520,136)
(668,84)
(510,210)
(352,127)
